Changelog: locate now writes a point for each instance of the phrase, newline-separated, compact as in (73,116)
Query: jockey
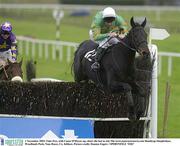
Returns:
(105,27)
(8,43)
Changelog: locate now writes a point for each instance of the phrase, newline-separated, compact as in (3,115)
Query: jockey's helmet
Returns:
(6,27)
(109,12)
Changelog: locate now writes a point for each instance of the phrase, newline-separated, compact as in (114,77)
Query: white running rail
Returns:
(47,49)
(65,51)
(170,56)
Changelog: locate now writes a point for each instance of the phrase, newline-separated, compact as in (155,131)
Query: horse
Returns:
(117,72)
(30,69)
(12,72)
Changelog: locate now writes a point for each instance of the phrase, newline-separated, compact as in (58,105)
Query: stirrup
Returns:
(95,66)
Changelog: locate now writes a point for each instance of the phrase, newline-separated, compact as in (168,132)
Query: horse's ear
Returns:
(143,24)
(132,22)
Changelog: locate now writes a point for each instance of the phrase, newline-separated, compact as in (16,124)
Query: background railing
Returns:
(61,50)
(170,56)
(47,49)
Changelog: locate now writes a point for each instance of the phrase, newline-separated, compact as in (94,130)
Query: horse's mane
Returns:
(11,63)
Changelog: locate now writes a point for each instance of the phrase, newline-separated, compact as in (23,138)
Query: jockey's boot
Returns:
(96,65)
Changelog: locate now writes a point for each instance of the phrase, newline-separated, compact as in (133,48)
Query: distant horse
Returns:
(117,72)
(30,69)
(11,72)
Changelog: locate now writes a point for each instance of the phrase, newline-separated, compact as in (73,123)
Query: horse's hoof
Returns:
(140,107)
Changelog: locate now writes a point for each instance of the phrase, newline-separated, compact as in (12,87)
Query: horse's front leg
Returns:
(137,89)
(140,93)
(117,87)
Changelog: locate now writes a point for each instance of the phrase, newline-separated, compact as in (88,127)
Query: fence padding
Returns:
(71,99)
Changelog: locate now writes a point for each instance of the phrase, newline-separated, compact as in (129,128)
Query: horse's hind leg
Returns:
(137,89)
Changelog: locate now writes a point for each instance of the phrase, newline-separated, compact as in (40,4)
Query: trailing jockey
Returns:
(8,44)
(105,28)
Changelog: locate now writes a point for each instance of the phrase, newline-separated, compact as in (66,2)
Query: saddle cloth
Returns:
(90,55)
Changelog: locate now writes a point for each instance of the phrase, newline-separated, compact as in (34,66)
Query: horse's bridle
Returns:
(135,44)
(123,43)
(8,77)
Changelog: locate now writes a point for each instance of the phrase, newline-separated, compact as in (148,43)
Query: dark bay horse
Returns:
(30,69)
(117,72)
(12,72)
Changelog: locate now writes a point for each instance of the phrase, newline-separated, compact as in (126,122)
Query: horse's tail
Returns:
(77,65)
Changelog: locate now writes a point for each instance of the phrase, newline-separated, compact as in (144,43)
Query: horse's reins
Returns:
(127,46)
(136,45)
(5,72)
(123,43)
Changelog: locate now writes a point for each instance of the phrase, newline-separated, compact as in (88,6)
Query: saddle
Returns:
(107,45)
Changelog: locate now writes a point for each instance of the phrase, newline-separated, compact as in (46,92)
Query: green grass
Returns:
(41,25)
(174,114)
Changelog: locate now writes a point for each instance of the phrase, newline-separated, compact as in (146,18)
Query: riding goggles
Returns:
(5,33)
(109,19)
